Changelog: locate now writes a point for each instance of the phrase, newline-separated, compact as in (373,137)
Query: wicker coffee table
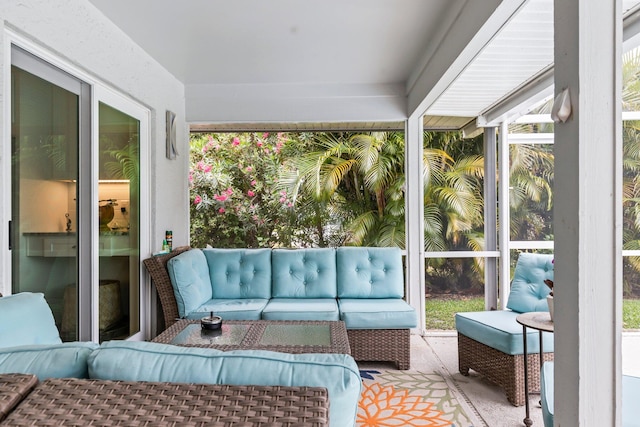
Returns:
(275,335)
(80,402)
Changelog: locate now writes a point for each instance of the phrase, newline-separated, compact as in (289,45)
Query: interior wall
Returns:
(75,33)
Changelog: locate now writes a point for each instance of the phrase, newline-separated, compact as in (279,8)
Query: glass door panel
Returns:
(44,173)
(119,224)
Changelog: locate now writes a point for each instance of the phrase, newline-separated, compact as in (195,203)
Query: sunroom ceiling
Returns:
(341,65)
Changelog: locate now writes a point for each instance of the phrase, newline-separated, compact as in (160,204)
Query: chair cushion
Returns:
(630,397)
(528,290)
(26,319)
(499,330)
(239,273)
(231,309)
(189,274)
(546,393)
(301,309)
(144,361)
(65,360)
(366,272)
(304,273)
(388,313)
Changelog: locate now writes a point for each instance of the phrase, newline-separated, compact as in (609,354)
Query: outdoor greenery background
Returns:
(326,189)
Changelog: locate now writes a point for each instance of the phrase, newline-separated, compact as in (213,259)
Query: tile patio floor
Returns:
(438,352)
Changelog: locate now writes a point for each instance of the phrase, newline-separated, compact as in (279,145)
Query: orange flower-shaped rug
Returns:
(408,398)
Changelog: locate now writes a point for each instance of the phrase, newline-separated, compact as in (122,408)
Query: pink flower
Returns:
(253,183)
(221,210)
(200,165)
(190,177)
(249,169)
(265,135)
(220,197)
(259,143)
(289,204)
(282,199)
(250,193)
(266,151)
(204,149)
(229,191)
(283,193)
(197,200)
(236,141)
(207,168)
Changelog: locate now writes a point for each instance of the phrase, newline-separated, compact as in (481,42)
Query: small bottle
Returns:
(169,239)
(165,246)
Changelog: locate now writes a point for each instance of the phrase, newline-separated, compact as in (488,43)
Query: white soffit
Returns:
(523,48)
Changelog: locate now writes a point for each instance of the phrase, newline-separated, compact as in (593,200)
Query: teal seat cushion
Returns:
(499,329)
(630,397)
(65,360)
(365,272)
(239,273)
(528,290)
(231,309)
(26,319)
(144,361)
(189,274)
(389,313)
(304,273)
(546,393)
(301,309)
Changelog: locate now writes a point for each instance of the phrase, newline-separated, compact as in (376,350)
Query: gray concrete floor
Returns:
(438,352)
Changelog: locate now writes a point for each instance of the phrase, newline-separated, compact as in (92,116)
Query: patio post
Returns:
(587,214)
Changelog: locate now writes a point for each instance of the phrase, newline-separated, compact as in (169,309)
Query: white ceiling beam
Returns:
(519,102)
(472,28)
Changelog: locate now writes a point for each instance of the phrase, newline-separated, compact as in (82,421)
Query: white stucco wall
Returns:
(76,33)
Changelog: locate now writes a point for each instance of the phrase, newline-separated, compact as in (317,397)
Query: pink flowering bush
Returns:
(235,200)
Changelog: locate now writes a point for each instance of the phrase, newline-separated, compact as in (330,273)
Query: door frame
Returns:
(100,91)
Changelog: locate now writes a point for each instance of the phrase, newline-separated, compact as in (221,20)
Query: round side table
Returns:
(540,321)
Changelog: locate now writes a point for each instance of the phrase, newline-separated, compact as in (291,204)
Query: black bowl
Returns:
(211,322)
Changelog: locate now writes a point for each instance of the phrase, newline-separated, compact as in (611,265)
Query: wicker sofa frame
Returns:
(505,370)
(367,345)
(73,401)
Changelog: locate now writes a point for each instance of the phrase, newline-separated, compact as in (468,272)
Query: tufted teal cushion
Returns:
(369,272)
(301,309)
(499,330)
(240,273)
(26,319)
(189,274)
(65,360)
(144,361)
(377,313)
(231,308)
(304,273)
(528,290)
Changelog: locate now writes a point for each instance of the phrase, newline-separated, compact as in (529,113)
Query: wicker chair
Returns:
(491,343)
(157,268)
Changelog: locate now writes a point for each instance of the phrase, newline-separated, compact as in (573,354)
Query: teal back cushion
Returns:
(365,272)
(304,273)
(145,361)
(528,290)
(66,360)
(26,319)
(240,273)
(189,276)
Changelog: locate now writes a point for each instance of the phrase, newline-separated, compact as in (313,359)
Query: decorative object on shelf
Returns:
(211,322)
(106,213)
(68,229)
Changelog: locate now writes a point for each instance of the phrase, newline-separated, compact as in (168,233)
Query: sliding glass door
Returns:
(76,200)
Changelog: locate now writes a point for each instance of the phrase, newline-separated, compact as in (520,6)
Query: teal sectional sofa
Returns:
(362,286)
(30,344)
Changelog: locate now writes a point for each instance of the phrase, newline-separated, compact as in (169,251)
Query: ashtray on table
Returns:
(212,322)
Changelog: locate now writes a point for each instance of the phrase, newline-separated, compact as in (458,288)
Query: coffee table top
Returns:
(275,335)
